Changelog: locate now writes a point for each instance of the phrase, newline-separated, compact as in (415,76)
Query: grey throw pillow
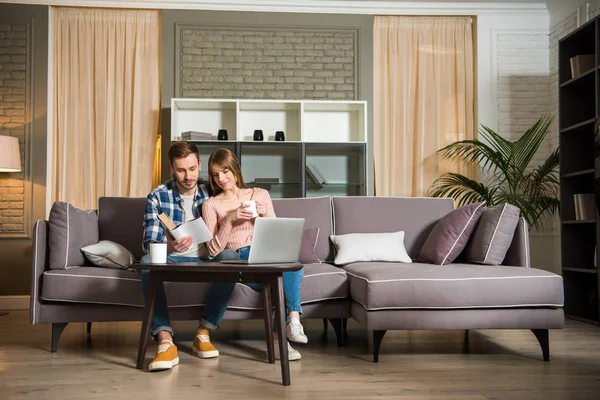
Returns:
(493,235)
(70,228)
(308,253)
(450,235)
(108,254)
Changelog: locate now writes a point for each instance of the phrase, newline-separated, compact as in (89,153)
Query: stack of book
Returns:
(269,181)
(195,135)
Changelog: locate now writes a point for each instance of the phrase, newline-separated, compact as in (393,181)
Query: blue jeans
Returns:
(161,320)
(220,293)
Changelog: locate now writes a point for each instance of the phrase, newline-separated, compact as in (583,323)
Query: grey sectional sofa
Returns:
(380,296)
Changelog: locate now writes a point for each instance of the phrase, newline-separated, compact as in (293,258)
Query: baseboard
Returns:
(14,302)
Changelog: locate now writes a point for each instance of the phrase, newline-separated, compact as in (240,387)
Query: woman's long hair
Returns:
(224,158)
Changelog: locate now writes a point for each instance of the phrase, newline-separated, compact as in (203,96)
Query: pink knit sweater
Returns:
(234,235)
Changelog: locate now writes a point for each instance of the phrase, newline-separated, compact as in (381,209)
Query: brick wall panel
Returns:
(278,64)
(13,81)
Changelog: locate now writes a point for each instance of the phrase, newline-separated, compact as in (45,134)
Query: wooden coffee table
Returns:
(269,275)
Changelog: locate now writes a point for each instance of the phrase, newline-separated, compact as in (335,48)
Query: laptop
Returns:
(274,241)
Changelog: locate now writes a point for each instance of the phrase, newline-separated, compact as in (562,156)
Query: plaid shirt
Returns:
(166,199)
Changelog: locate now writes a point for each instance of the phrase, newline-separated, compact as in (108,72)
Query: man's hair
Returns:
(224,158)
(182,149)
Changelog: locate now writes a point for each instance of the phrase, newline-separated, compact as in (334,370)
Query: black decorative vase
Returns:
(222,135)
(279,136)
(258,135)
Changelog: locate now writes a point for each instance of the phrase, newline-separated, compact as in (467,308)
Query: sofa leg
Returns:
(337,327)
(542,337)
(345,324)
(57,329)
(377,338)
(325,326)
(466,341)
(89,328)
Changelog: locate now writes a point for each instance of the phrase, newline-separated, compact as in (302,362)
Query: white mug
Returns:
(158,253)
(251,205)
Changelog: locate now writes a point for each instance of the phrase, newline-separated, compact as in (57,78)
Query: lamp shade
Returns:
(10,156)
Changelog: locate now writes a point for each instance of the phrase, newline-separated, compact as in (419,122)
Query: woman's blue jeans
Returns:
(220,293)
(161,321)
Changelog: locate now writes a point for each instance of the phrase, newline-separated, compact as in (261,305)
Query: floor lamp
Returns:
(10,159)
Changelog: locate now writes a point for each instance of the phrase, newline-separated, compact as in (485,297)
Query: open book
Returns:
(195,228)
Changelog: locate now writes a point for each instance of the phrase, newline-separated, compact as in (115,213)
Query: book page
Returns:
(196,228)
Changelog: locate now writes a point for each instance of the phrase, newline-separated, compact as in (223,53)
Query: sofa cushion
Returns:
(518,252)
(308,251)
(119,287)
(93,285)
(121,220)
(493,235)
(70,229)
(108,254)
(316,212)
(451,234)
(355,247)
(368,214)
(321,282)
(380,286)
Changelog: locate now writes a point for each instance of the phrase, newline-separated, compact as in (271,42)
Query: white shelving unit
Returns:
(329,135)
(302,120)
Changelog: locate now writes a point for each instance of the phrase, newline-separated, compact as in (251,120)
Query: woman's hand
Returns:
(180,245)
(261,208)
(241,212)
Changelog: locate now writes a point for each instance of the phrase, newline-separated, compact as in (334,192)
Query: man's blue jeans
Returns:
(161,320)
(220,293)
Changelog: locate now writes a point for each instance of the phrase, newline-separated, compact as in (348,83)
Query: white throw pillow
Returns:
(109,254)
(355,247)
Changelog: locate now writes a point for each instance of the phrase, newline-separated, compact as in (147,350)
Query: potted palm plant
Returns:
(511,179)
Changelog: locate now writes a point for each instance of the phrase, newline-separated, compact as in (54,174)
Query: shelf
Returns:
(251,184)
(574,222)
(580,319)
(580,77)
(578,125)
(332,185)
(578,173)
(582,270)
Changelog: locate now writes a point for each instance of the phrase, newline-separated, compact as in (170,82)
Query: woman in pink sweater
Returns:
(232,224)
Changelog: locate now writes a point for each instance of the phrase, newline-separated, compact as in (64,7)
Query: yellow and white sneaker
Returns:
(203,348)
(166,357)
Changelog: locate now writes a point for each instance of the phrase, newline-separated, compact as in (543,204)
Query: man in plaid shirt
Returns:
(181,200)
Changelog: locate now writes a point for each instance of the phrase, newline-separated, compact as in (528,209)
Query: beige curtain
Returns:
(104,102)
(423,99)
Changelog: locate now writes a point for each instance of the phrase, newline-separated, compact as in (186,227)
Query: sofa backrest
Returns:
(121,219)
(416,216)
(317,213)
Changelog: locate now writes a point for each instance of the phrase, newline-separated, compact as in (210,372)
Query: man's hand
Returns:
(180,245)
(261,208)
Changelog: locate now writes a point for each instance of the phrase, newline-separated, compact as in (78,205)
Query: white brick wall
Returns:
(271,64)
(523,85)
(13,63)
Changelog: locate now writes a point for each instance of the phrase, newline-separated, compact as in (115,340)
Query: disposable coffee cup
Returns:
(158,253)
(251,205)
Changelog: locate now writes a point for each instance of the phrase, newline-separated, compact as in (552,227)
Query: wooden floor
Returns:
(412,365)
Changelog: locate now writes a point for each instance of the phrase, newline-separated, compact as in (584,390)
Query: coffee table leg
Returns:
(285,364)
(153,283)
(268,321)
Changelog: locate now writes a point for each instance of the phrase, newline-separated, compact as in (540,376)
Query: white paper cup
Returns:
(158,253)
(251,205)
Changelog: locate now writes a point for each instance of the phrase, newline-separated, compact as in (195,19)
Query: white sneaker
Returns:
(295,331)
(293,354)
